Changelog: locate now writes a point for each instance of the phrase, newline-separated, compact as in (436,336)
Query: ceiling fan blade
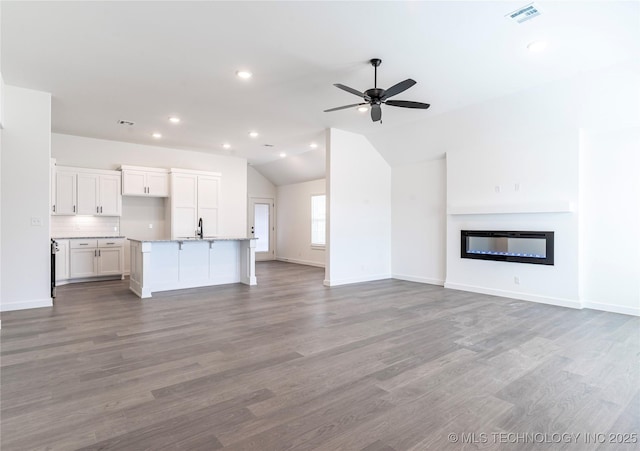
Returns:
(344,107)
(398,88)
(351,90)
(407,104)
(376,112)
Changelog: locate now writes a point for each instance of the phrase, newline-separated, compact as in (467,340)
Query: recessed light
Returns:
(282,154)
(174,119)
(313,145)
(537,46)
(157,135)
(244,74)
(226,146)
(253,134)
(363,109)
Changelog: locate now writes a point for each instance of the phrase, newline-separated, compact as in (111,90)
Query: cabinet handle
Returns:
(83,244)
(100,209)
(95,253)
(54,208)
(74,208)
(99,253)
(111,243)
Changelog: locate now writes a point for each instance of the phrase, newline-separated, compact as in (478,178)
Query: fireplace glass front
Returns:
(509,246)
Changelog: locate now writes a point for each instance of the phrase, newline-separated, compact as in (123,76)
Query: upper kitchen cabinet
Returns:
(195,195)
(65,202)
(80,191)
(141,181)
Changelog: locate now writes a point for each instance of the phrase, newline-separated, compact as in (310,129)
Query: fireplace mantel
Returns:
(492,209)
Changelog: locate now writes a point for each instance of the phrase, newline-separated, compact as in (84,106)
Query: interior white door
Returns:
(262,226)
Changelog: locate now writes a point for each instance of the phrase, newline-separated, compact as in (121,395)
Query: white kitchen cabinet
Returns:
(88,194)
(83,263)
(141,181)
(194,195)
(109,197)
(65,193)
(110,261)
(62,260)
(110,256)
(99,194)
(96,257)
(80,191)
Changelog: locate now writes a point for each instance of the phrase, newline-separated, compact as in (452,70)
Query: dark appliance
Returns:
(54,249)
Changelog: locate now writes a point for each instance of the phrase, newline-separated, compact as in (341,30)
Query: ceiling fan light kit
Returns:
(375,96)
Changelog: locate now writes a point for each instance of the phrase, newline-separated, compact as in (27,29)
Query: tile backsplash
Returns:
(81,226)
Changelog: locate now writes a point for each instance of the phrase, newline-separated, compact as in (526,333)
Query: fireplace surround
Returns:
(508,246)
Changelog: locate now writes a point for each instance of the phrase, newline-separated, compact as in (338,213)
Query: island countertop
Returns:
(195,239)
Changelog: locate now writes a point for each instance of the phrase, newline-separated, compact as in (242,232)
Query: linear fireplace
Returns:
(507,246)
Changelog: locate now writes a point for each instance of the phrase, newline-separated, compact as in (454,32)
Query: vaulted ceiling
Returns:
(146,61)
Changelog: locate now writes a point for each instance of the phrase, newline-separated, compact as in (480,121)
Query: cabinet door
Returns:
(109,195)
(62,260)
(184,206)
(88,194)
(133,183)
(65,203)
(110,261)
(208,192)
(82,263)
(157,184)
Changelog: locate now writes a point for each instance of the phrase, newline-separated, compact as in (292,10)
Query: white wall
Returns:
(293,242)
(359,219)
(26,153)
(418,221)
(258,185)
(610,220)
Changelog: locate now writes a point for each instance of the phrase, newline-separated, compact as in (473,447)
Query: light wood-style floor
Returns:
(293,365)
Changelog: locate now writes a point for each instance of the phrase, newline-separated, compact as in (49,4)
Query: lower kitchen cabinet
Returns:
(82,263)
(110,261)
(89,258)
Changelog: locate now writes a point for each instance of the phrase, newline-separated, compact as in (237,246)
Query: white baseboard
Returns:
(22,305)
(428,280)
(613,308)
(516,295)
(336,282)
(300,262)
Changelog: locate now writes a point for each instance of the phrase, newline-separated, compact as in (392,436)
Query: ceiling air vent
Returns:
(123,122)
(525,13)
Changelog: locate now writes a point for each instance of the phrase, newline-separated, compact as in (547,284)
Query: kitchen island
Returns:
(162,265)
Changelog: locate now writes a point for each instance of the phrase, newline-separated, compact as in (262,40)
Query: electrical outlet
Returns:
(497,188)
(516,280)
(36,222)
(516,187)
(151,226)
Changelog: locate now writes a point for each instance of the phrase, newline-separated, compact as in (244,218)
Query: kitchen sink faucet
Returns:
(200,231)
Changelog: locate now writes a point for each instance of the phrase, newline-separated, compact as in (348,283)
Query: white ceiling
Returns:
(146,61)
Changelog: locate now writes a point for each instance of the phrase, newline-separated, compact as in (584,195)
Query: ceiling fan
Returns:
(377,96)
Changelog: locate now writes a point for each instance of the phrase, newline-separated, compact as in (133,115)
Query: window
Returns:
(318,220)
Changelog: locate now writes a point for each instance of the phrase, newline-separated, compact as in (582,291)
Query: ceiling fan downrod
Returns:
(375,62)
